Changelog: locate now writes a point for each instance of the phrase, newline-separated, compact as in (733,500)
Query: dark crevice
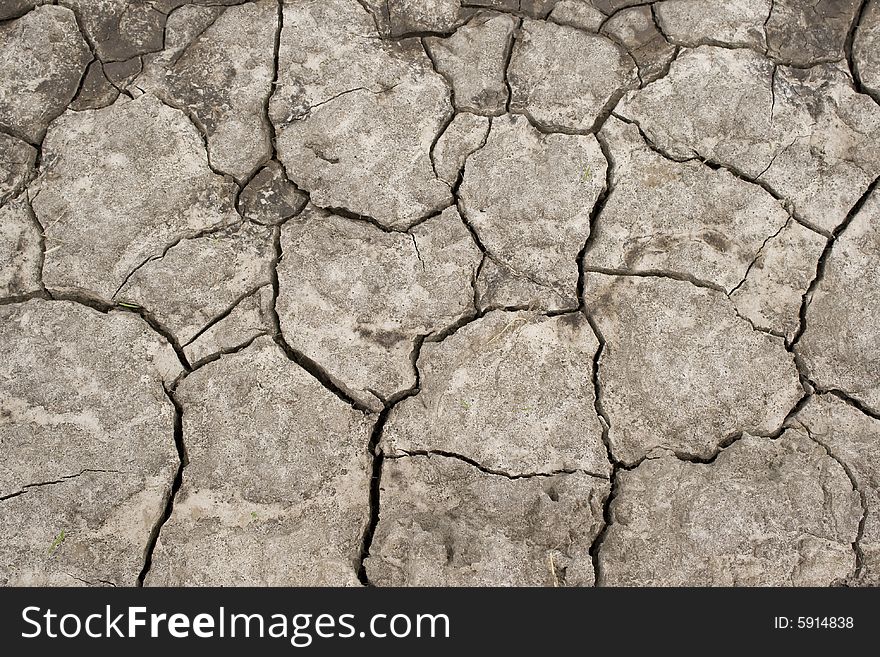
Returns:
(849,400)
(226,351)
(656,20)
(455,327)
(183,461)
(739,435)
(196,37)
(377,461)
(200,129)
(546,129)
(772,110)
(457,198)
(450,116)
(53,482)
(850,57)
(420,34)
(595,213)
(418,253)
(764,28)
(264,108)
(273,135)
(736,172)
(309,365)
(194,235)
(656,273)
(159,328)
(475,282)
(96,303)
(319,373)
(345,213)
(369,10)
(428,453)
(598,405)
(758,256)
(225,313)
(35,220)
(616,11)
(11,131)
(860,532)
(508,56)
(605,421)
(82,80)
(823,260)
(666,68)
(607,521)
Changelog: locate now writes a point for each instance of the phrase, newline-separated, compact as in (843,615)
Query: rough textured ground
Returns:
(440,292)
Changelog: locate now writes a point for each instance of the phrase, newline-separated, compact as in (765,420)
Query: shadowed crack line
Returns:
(60,480)
(508,56)
(428,453)
(764,27)
(850,401)
(656,273)
(739,435)
(860,533)
(195,39)
(90,583)
(225,313)
(377,462)
(105,307)
(32,216)
(309,365)
(734,171)
(225,351)
(598,405)
(823,259)
(183,461)
(204,232)
(487,254)
(618,10)
(850,57)
(595,213)
(201,131)
(758,255)
(84,76)
(605,420)
(657,23)
(370,11)
(450,117)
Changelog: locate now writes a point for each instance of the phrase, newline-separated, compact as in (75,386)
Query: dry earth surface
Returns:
(440,292)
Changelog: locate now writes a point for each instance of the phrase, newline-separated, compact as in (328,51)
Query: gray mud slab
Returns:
(300,521)
(764,513)
(446,523)
(87,432)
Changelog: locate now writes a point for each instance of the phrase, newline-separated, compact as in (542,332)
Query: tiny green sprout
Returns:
(588,171)
(124,304)
(465,405)
(254,515)
(56,543)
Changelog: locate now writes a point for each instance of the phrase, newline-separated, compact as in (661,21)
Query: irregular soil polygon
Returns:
(446,523)
(512,391)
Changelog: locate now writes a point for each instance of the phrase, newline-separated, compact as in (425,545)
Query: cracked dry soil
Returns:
(440,292)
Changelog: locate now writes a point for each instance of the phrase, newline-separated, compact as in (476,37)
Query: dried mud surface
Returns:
(440,292)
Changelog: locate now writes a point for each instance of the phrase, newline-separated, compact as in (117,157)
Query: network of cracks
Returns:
(440,292)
